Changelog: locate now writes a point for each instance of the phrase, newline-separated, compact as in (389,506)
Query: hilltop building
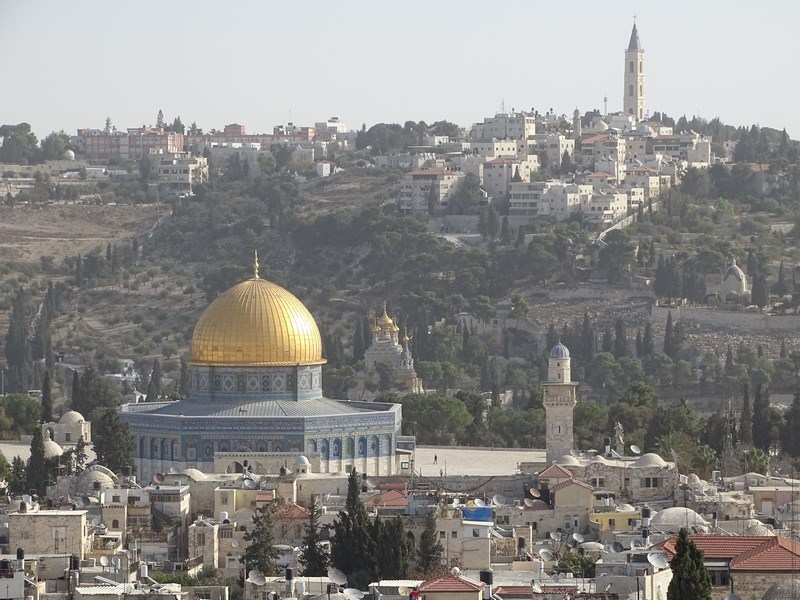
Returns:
(633,102)
(389,348)
(559,402)
(256,391)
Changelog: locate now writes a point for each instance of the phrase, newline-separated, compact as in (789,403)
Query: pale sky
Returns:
(67,65)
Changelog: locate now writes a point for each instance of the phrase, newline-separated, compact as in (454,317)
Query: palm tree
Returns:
(755,460)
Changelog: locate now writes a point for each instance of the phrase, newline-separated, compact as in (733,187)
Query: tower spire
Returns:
(255,264)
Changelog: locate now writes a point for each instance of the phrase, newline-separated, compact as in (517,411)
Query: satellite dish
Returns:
(555,536)
(250,484)
(353,593)
(454,503)
(158,478)
(498,500)
(529,502)
(535,493)
(86,500)
(403,590)
(173,471)
(479,503)
(455,571)
(336,576)
(116,562)
(657,559)
(96,521)
(617,547)
(547,555)
(635,449)
(256,577)
(104,561)
(235,544)
(577,537)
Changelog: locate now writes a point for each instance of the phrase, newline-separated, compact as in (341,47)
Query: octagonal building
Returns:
(256,402)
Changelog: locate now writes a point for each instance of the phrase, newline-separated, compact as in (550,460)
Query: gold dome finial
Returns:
(255,264)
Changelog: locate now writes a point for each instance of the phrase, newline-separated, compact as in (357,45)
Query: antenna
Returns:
(577,537)
(104,561)
(336,576)
(256,577)
(635,449)
(657,559)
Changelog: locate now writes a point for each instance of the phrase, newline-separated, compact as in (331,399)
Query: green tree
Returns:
(112,441)
(620,339)
(690,577)
(5,468)
(47,398)
(261,552)
(763,435)
(790,440)
(617,254)
(519,307)
(578,564)
(352,545)
(313,556)
(670,348)
(19,477)
(745,434)
(19,144)
(37,469)
(430,550)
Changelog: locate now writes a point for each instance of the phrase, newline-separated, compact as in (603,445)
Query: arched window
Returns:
(641,68)
(630,90)
(115,524)
(630,67)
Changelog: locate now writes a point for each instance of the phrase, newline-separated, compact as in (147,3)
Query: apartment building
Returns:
(422,187)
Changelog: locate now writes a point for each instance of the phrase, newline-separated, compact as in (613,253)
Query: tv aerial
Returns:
(577,537)
(658,560)
(336,576)
(256,577)
(635,449)
(547,555)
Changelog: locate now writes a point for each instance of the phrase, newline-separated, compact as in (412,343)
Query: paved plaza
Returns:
(473,461)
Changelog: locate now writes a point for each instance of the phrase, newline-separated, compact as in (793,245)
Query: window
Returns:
(200,539)
(115,498)
(59,533)
(630,67)
(115,524)
(630,90)
(441,535)
(719,578)
(67,437)
(651,482)
(612,522)
(224,498)
(598,482)
(226,534)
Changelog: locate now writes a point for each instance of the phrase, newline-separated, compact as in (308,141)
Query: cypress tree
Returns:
(261,552)
(184,382)
(669,344)
(620,339)
(587,339)
(647,340)
(762,419)
(112,444)
(352,545)
(47,399)
(430,551)
(79,271)
(155,379)
(784,353)
(690,577)
(76,401)
(313,557)
(37,464)
(745,434)
(358,341)
(639,346)
(729,361)
(790,441)
(19,478)
(608,343)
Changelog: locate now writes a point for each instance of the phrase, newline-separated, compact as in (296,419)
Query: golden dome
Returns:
(386,322)
(256,323)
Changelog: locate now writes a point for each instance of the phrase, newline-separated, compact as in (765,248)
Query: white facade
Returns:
(419,187)
(517,125)
(605,206)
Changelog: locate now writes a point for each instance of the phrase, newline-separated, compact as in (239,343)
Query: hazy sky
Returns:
(70,64)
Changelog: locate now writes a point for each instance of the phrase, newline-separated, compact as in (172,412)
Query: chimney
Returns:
(487,577)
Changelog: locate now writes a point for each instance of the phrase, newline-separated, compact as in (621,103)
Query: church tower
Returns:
(633,99)
(559,401)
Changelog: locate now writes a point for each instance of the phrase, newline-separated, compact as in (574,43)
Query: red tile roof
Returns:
(595,138)
(513,591)
(503,160)
(390,498)
(564,484)
(292,511)
(451,583)
(747,552)
(555,471)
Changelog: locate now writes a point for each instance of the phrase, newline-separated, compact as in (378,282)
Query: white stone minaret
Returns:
(559,401)
(633,99)
(576,124)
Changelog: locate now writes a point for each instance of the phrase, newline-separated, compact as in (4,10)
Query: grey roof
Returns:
(316,407)
(634,43)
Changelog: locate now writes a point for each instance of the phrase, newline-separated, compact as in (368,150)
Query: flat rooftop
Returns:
(467,460)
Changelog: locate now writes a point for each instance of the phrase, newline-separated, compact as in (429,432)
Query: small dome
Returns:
(568,459)
(693,478)
(734,271)
(70,417)
(195,474)
(301,461)
(788,589)
(671,520)
(559,351)
(86,480)
(649,460)
(760,530)
(51,449)
(68,155)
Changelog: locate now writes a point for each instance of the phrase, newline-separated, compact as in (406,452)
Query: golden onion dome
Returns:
(256,323)
(385,321)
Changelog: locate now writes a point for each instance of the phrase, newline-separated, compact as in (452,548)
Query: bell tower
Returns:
(559,402)
(633,98)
